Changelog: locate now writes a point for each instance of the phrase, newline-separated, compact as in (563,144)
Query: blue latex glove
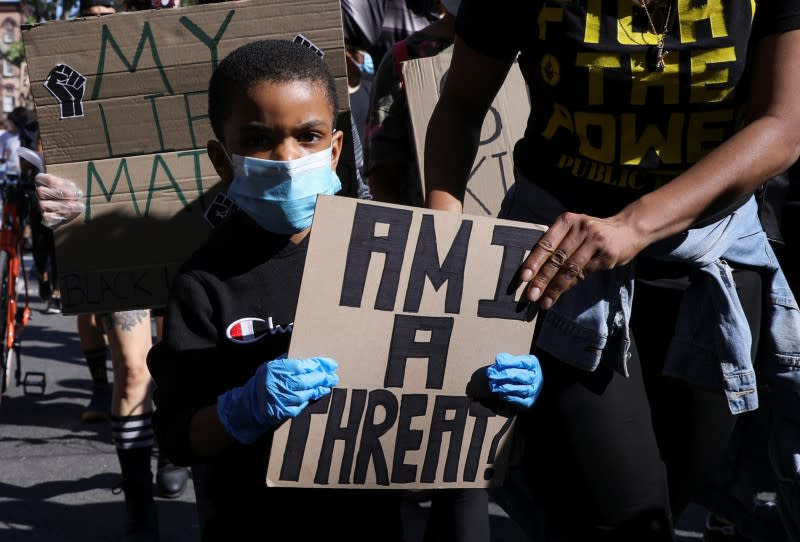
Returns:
(516,379)
(279,390)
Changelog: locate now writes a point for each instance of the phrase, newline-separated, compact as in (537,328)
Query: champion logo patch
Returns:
(249,330)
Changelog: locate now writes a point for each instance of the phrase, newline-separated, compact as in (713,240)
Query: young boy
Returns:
(223,381)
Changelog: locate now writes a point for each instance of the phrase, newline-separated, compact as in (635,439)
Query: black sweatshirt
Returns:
(231,308)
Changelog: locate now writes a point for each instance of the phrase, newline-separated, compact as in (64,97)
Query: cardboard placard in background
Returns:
(413,304)
(122,106)
(492,173)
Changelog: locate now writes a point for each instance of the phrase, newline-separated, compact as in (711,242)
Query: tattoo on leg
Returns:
(125,320)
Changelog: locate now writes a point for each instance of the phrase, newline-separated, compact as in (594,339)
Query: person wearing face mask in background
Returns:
(360,73)
(374,25)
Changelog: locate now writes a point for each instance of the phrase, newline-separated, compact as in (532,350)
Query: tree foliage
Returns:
(15,52)
(36,11)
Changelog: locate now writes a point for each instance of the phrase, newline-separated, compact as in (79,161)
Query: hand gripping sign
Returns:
(68,87)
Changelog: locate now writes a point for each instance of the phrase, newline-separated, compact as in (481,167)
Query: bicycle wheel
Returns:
(7,359)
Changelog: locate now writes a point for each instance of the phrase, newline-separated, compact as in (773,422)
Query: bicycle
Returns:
(14,317)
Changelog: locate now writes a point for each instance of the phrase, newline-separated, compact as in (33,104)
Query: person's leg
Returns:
(95,351)
(591,456)
(171,479)
(742,484)
(48,241)
(693,427)
(130,338)
(40,252)
(458,515)
(43,250)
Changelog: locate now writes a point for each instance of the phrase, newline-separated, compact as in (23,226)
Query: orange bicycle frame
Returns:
(11,242)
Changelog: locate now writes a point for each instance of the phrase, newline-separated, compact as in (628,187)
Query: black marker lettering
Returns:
(334,431)
(297,439)
(411,406)
(370,448)
(440,424)
(405,346)
(515,242)
(426,264)
(364,242)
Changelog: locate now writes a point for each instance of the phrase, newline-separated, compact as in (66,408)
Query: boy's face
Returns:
(277,121)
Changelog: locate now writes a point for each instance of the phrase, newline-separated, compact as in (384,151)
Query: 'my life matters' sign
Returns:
(122,106)
(413,304)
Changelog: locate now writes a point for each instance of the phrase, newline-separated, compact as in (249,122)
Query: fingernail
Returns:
(534,294)
(546,303)
(526,275)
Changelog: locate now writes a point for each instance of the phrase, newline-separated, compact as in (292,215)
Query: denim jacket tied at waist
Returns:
(711,346)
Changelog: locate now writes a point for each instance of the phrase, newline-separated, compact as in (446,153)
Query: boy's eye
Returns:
(262,141)
(309,137)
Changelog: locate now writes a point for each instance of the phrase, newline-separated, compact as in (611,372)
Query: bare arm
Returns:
(451,142)
(768,145)
(578,244)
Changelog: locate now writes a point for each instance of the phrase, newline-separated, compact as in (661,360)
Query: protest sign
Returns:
(122,106)
(492,172)
(413,304)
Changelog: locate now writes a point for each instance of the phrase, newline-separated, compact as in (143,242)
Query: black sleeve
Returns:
(362,21)
(775,16)
(493,30)
(184,366)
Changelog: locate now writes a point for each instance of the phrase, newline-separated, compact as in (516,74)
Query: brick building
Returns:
(14,85)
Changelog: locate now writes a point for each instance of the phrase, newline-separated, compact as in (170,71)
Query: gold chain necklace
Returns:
(660,52)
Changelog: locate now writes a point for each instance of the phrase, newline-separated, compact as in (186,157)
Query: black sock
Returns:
(96,360)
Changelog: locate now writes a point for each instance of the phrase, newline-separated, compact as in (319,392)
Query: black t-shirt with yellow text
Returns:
(606,124)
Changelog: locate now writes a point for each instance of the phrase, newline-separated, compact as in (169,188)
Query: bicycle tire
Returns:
(6,361)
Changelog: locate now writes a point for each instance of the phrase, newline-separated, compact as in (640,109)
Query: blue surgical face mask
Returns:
(367,67)
(280,195)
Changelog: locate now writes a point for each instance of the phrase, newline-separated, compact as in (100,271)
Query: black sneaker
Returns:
(171,480)
(53,306)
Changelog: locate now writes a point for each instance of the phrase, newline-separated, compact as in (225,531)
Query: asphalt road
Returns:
(58,474)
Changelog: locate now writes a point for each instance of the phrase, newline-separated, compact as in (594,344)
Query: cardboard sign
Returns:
(413,304)
(122,105)
(492,172)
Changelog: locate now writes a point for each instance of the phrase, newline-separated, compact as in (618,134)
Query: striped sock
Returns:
(133,438)
(129,432)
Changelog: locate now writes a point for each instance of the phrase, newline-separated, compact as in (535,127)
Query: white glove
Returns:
(60,200)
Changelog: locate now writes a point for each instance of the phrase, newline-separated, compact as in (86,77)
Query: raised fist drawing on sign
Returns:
(68,86)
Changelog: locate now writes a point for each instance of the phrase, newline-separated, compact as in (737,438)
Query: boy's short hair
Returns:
(274,61)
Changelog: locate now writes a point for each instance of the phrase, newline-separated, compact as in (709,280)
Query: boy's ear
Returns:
(337,140)
(219,158)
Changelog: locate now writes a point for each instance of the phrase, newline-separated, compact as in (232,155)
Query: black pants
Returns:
(459,515)
(44,249)
(615,458)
